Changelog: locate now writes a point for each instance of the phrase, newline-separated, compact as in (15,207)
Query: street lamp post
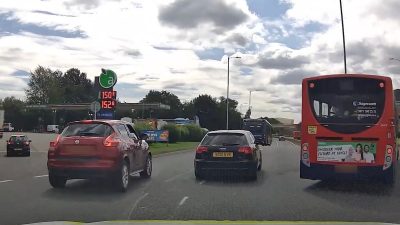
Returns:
(250,100)
(394,59)
(344,42)
(227,94)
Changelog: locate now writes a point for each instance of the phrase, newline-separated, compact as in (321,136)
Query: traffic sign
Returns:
(107,79)
(95,106)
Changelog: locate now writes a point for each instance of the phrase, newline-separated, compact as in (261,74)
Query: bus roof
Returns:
(257,120)
(348,75)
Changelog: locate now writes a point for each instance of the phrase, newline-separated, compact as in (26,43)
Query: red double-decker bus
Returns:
(348,127)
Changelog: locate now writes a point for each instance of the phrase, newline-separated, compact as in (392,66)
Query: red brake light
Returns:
(201,149)
(312,85)
(246,150)
(26,142)
(389,150)
(111,141)
(55,142)
(381,85)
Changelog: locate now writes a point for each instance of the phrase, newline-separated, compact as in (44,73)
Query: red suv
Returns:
(98,149)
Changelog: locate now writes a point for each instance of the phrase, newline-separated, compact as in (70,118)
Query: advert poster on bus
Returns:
(362,152)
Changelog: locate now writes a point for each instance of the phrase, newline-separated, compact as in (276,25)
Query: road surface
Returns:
(173,193)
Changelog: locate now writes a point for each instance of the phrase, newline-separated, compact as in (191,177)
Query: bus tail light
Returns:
(388,157)
(305,154)
(201,149)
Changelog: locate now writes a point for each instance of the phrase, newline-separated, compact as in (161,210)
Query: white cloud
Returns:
(128,37)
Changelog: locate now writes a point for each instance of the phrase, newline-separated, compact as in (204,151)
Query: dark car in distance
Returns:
(99,149)
(228,151)
(18,144)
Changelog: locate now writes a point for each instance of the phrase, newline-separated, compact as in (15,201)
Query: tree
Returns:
(44,86)
(248,114)
(52,87)
(77,88)
(235,119)
(14,109)
(167,98)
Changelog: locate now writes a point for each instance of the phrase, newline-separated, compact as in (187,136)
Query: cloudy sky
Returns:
(182,45)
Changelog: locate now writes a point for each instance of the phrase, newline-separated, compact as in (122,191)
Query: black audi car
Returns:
(228,152)
(19,145)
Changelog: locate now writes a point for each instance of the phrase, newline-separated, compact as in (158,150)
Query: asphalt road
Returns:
(173,193)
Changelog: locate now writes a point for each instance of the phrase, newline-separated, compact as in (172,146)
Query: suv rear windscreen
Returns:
(347,104)
(224,139)
(87,129)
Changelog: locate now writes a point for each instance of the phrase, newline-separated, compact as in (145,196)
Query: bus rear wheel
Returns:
(389,177)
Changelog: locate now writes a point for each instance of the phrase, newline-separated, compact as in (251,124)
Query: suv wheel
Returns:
(8,153)
(57,181)
(259,167)
(122,177)
(146,173)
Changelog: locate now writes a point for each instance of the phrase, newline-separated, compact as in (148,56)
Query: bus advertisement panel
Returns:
(363,152)
(348,121)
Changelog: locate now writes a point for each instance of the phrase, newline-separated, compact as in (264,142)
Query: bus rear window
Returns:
(347,105)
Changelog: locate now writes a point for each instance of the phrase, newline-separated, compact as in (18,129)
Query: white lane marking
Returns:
(5,181)
(177,176)
(277,144)
(46,175)
(135,204)
(183,200)
(202,182)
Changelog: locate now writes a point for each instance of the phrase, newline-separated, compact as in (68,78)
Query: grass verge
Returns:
(160,148)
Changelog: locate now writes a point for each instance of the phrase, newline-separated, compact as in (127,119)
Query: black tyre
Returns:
(148,168)
(252,175)
(389,177)
(198,174)
(121,178)
(28,153)
(57,181)
(9,153)
(259,167)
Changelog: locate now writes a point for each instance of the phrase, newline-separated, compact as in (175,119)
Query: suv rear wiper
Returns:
(229,144)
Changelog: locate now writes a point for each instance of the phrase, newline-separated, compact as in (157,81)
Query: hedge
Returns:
(184,132)
(174,132)
(141,126)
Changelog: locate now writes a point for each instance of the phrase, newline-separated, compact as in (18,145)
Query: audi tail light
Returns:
(201,149)
(246,150)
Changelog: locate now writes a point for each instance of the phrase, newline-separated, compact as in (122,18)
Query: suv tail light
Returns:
(388,157)
(55,142)
(10,142)
(111,141)
(26,143)
(201,149)
(246,150)
(305,154)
